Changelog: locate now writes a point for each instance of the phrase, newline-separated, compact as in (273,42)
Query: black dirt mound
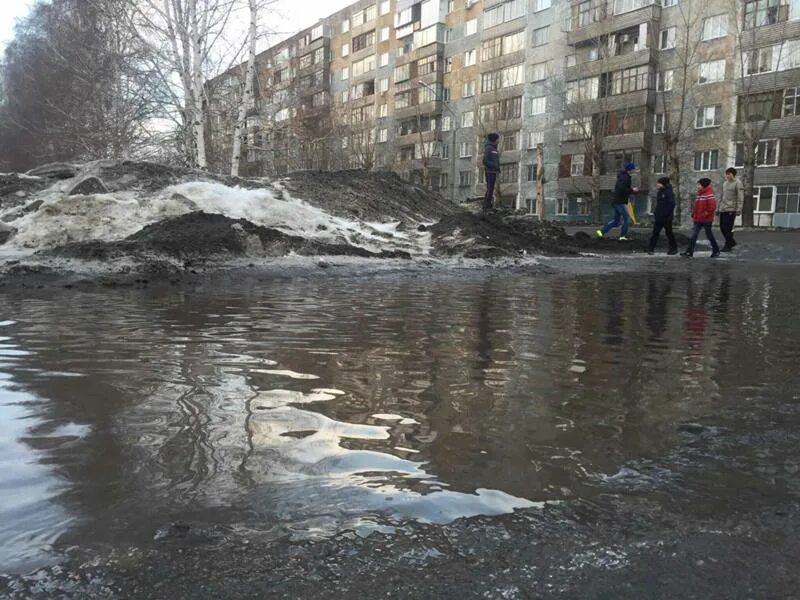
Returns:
(379,197)
(15,190)
(200,235)
(497,234)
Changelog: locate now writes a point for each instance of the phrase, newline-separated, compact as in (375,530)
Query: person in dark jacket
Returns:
(622,194)
(491,162)
(663,214)
(705,206)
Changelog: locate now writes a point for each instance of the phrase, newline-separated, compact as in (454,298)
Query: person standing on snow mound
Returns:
(491,162)
(664,213)
(622,194)
(705,206)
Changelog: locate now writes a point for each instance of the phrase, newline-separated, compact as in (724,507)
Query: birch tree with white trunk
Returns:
(248,97)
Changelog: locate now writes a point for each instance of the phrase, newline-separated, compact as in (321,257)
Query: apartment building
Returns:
(575,88)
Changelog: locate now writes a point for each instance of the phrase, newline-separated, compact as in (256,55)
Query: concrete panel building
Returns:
(575,88)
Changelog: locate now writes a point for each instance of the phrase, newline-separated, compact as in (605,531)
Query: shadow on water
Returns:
(316,407)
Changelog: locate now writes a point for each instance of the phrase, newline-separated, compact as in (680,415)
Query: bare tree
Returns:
(759,89)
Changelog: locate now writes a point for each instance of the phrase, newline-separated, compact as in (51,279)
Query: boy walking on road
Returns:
(705,206)
(622,194)
(730,206)
(664,212)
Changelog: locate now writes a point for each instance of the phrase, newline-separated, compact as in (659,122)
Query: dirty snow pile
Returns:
(60,219)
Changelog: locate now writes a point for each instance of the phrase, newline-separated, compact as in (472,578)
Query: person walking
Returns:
(705,206)
(730,206)
(664,213)
(491,162)
(622,194)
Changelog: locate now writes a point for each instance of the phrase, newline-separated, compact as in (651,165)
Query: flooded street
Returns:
(307,409)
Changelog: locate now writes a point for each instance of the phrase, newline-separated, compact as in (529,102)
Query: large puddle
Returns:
(309,408)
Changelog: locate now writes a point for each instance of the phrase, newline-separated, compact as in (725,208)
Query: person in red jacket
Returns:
(705,207)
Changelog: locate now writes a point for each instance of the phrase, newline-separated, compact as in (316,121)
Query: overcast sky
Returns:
(293,15)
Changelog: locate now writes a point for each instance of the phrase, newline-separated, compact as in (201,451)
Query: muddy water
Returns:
(308,408)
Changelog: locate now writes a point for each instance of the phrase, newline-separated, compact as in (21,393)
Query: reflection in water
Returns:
(316,407)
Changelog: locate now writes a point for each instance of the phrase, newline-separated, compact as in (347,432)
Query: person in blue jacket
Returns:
(622,195)
(663,214)
(491,162)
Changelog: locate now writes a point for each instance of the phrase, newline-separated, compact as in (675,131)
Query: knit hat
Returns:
(705,182)
(664,181)
(493,137)
(630,166)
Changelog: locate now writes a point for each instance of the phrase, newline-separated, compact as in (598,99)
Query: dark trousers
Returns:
(698,227)
(488,200)
(665,224)
(726,221)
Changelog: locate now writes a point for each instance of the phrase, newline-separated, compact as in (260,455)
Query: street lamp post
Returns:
(446,104)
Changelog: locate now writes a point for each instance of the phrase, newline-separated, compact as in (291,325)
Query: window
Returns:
(345,74)
(446,123)
(427,65)
(571,60)
(630,80)
(539,71)
(541,36)
(708,116)
(502,13)
(707,160)
(468,119)
(385,7)
(465,150)
(383,136)
(384,60)
(791,102)
(345,50)
(384,34)
(759,60)
(562,207)
(470,58)
(664,81)
(531,171)
(509,173)
(364,66)
(787,199)
(540,5)
(790,152)
(402,73)
(345,25)
(766,154)
(403,100)
(468,89)
(659,123)
(383,110)
(442,180)
(667,3)
(758,13)
(764,199)
(538,105)
(535,138)
(576,168)
(668,38)
(659,163)
(383,85)
(576,129)
(363,41)
(715,27)
(583,89)
(503,110)
(471,27)
(511,141)
(465,178)
(711,71)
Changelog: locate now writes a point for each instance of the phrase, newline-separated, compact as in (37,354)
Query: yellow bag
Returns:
(632,212)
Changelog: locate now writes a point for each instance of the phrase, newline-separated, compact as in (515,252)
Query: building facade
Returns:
(576,88)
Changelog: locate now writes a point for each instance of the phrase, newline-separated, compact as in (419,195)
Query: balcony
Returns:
(583,184)
(773,33)
(603,20)
(613,63)
(428,108)
(625,141)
